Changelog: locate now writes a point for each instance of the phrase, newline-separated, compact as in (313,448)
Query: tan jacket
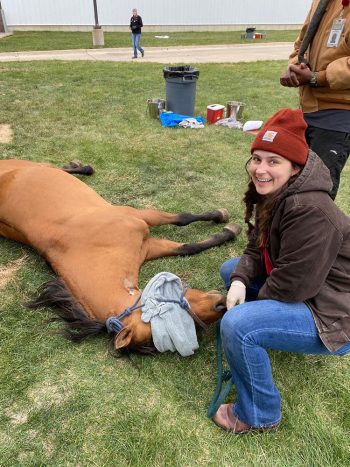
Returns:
(332,64)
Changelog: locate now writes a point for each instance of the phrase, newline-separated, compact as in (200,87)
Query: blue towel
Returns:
(171,119)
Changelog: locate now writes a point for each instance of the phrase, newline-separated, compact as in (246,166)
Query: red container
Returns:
(258,35)
(215,112)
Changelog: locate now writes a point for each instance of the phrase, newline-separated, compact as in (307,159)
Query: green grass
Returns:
(22,41)
(66,405)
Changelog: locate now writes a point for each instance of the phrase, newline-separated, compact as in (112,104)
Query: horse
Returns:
(96,249)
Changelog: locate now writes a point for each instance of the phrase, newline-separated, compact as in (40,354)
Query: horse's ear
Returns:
(123,338)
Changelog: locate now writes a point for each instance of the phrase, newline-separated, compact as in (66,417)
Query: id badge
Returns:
(336,32)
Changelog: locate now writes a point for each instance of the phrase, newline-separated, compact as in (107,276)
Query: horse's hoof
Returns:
(234,228)
(75,164)
(87,170)
(224,215)
(76,167)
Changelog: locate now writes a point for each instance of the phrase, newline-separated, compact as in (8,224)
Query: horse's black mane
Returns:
(78,325)
(55,296)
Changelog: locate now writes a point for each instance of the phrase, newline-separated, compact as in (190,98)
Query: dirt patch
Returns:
(9,271)
(6,133)
(17,418)
(46,395)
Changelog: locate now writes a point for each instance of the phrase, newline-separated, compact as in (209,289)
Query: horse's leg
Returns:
(77,168)
(155,218)
(157,247)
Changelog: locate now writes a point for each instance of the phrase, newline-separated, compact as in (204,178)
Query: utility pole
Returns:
(3,26)
(97,32)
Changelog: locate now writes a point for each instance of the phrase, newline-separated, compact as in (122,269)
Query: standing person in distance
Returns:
(290,290)
(135,28)
(323,78)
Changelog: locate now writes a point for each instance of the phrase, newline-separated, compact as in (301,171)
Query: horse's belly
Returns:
(93,246)
(36,201)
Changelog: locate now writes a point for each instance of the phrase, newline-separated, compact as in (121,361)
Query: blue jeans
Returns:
(249,329)
(136,43)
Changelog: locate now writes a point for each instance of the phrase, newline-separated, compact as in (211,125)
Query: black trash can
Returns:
(180,88)
(250,33)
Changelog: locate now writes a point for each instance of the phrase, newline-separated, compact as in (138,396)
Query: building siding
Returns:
(154,12)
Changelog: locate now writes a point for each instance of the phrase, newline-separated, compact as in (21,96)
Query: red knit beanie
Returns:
(284,134)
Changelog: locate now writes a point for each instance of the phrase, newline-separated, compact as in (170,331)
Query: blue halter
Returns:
(115,325)
(182,302)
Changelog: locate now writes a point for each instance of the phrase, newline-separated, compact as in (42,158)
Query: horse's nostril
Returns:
(220,307)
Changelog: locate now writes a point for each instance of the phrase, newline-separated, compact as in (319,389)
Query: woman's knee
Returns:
(234,323)
(227,268)
(246,320)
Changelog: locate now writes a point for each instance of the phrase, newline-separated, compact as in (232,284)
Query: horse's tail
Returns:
(78,326)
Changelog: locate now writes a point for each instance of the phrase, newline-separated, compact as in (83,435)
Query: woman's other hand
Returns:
(236,294)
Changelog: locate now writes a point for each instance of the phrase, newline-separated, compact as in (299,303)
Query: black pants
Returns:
(333,147)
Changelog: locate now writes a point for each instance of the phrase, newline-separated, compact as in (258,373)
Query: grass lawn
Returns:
(76,405)
(31,40)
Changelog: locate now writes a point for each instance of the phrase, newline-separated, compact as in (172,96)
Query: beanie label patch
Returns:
(269,136)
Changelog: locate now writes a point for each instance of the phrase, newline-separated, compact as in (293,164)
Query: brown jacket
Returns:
(332,64)
(309,247)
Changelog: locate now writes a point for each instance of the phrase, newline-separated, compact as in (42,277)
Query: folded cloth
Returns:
(191,123)
(171,119)
(172,326)
(230,123)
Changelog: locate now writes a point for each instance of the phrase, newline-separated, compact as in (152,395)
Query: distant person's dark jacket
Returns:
(136,24)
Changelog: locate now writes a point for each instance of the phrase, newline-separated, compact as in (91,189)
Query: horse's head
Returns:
(206,306)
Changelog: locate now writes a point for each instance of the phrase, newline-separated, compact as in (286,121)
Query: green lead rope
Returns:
(223,375)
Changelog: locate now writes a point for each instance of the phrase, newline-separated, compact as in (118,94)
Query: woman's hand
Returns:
(236,294)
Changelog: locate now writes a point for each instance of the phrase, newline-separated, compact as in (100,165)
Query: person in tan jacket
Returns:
(323,78)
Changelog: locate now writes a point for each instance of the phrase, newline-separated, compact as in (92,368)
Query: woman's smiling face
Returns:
(270,171)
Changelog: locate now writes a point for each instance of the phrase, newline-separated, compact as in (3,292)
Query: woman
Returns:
(290,290)
(135,28)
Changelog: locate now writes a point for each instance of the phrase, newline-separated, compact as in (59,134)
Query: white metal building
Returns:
(156,14)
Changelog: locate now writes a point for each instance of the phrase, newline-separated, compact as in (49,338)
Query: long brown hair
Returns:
(260,207)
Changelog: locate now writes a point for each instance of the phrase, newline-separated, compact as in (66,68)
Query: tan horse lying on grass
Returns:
(95,248)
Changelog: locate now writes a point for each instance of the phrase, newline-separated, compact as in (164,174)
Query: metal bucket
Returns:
(234,109)
(155,106)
